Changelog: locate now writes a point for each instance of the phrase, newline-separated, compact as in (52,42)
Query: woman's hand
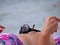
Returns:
(50,26)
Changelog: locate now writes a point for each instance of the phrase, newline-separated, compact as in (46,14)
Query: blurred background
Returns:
(15,13)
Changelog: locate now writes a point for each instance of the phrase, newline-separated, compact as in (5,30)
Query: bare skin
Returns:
(43,37)
(29,39)
(51,26)
(32,38)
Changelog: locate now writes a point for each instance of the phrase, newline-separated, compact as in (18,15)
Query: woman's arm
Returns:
(44,40)
(50,26)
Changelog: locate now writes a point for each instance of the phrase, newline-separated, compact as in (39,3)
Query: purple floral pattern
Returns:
(57,40)
(10,39)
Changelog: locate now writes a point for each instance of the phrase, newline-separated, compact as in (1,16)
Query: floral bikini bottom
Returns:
(57,40)
(10,39)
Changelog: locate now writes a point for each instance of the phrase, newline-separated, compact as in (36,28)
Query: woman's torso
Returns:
(24,39)
(29,39)
(33,39)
